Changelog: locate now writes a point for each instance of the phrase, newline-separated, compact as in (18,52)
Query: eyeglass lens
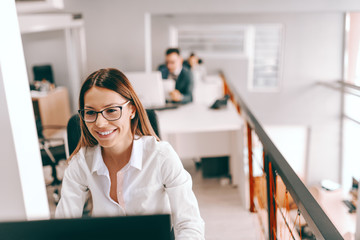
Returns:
(111,114)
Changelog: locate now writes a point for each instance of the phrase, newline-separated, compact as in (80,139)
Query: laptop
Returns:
(150,89)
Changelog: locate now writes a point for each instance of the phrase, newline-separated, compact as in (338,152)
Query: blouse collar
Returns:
(135,158)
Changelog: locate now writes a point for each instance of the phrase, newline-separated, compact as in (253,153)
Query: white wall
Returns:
(115,29)
(313,51)
(49,47)
(46,48)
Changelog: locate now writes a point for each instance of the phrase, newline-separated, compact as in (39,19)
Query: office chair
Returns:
(74,131)
(51,151)
(153,121)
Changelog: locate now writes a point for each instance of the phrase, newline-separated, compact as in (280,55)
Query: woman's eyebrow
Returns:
(113,104)
(87,106)
(107,105)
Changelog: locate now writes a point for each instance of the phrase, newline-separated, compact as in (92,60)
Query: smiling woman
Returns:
(122,162)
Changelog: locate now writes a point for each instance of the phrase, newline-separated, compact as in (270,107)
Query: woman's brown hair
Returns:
(115,80)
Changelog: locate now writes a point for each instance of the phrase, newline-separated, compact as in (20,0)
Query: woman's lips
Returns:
(105,134)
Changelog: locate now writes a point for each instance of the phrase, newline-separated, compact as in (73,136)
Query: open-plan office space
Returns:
(279,160)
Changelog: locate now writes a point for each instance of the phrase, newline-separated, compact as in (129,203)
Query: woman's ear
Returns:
(133,112)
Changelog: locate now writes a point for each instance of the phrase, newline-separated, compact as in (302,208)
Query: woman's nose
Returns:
(101,121)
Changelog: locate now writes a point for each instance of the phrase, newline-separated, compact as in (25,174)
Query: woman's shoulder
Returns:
(78,169)
(83,158)
(152,144)
(160,150)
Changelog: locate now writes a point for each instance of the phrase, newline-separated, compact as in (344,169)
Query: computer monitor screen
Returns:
(355,183)
(43,72)
(126,227)
(149,88)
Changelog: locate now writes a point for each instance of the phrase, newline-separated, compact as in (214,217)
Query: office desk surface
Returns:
(331,202)
(192,118)
(195,131)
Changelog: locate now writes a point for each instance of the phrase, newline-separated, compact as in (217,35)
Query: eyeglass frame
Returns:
(97,113)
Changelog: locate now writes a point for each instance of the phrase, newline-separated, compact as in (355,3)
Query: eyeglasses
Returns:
(110,113)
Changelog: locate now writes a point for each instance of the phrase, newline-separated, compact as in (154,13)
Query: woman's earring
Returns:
(132,116)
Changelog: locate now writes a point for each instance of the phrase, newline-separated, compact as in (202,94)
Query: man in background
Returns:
(173,70)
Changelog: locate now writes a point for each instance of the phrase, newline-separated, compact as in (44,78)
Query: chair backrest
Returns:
(74,131)
(153,121)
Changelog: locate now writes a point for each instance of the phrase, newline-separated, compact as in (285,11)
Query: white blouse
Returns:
(153,182)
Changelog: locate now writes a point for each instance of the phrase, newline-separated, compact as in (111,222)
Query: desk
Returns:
(196,131)
(206,92)
(336,210)
(52,108)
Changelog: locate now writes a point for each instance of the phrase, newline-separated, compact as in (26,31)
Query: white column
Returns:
(148,56)
(83,55)
(173,37)
(250,53)
(73,49)
(357,232)
(22,186)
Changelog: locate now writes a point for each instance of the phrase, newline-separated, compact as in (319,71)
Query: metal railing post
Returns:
(251,177)
(270,191)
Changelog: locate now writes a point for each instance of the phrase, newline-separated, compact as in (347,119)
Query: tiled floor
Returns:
(221,209)
(219,204)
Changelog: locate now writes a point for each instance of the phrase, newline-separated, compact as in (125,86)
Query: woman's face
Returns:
(193,61)
(109,134)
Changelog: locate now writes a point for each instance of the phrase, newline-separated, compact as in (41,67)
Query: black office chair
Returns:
(153,121)
(51,151)
(74,131)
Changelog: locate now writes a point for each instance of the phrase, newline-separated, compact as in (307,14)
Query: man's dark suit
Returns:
(184,82)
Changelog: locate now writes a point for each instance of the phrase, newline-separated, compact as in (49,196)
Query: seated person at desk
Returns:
(122,162)
(195,64)
(182,76)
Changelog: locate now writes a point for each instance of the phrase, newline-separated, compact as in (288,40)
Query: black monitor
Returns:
(126,227)
(42,72)
(355,183)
